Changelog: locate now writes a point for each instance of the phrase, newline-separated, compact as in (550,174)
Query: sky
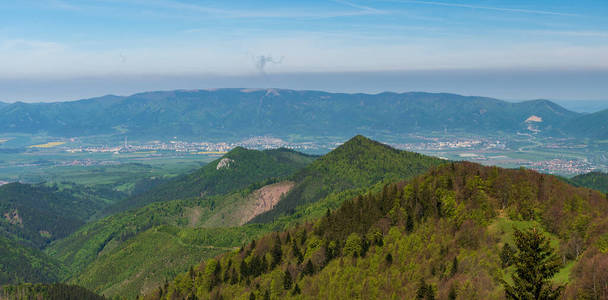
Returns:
(53,50)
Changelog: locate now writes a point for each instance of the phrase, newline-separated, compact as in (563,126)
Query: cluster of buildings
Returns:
(260,143)
(437,145)
(561,166)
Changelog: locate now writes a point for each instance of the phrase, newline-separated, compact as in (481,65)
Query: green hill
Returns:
(121,254)
(440,234)
(593,180)
(592,125)
(236,170)
(358,163)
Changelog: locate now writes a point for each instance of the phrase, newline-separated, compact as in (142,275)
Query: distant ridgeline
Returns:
(238,113)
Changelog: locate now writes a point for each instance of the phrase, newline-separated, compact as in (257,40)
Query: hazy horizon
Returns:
(514,50)
(511,86)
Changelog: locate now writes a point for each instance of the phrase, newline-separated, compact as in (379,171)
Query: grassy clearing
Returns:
(505,227)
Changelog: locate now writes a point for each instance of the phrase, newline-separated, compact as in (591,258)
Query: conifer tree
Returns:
(425,291)
(535,265)
(287,280)
(309,269)
(452,294)
(454,269)
(506,255)
(296,290)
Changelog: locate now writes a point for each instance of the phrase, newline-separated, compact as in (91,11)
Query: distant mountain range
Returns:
(236,113)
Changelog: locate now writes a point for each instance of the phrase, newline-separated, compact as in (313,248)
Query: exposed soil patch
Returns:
(194,216)
(264,199)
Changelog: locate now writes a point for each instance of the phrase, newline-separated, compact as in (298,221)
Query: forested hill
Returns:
(358,163)
(20,263)
(226,113)
(594,125)
(593,180)
(236,170)
(34,215)
(449,234)
(164,238)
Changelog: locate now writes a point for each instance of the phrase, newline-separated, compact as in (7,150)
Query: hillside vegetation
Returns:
(593,180)
(592,125)
(358,163)
(38,214)
(120,255)
(442,235)
(55,291)
(236,170)
(19,263)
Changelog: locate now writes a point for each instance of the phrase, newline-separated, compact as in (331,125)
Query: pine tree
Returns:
(409,223)
(287,280)
(276,253)
(535,265)
(454,269)
(425,291)
(296,290)
(389,259)
(452,294)
(506,255)
(309,269)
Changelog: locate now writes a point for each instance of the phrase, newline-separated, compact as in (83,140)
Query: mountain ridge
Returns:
(237,113)
(359,162)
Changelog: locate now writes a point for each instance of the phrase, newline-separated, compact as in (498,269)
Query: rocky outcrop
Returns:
(224,163)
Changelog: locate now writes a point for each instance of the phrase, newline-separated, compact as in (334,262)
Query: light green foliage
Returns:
(353,245)
(602,243)
(453,244)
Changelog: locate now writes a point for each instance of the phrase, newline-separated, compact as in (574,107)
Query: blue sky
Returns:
(192,44)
